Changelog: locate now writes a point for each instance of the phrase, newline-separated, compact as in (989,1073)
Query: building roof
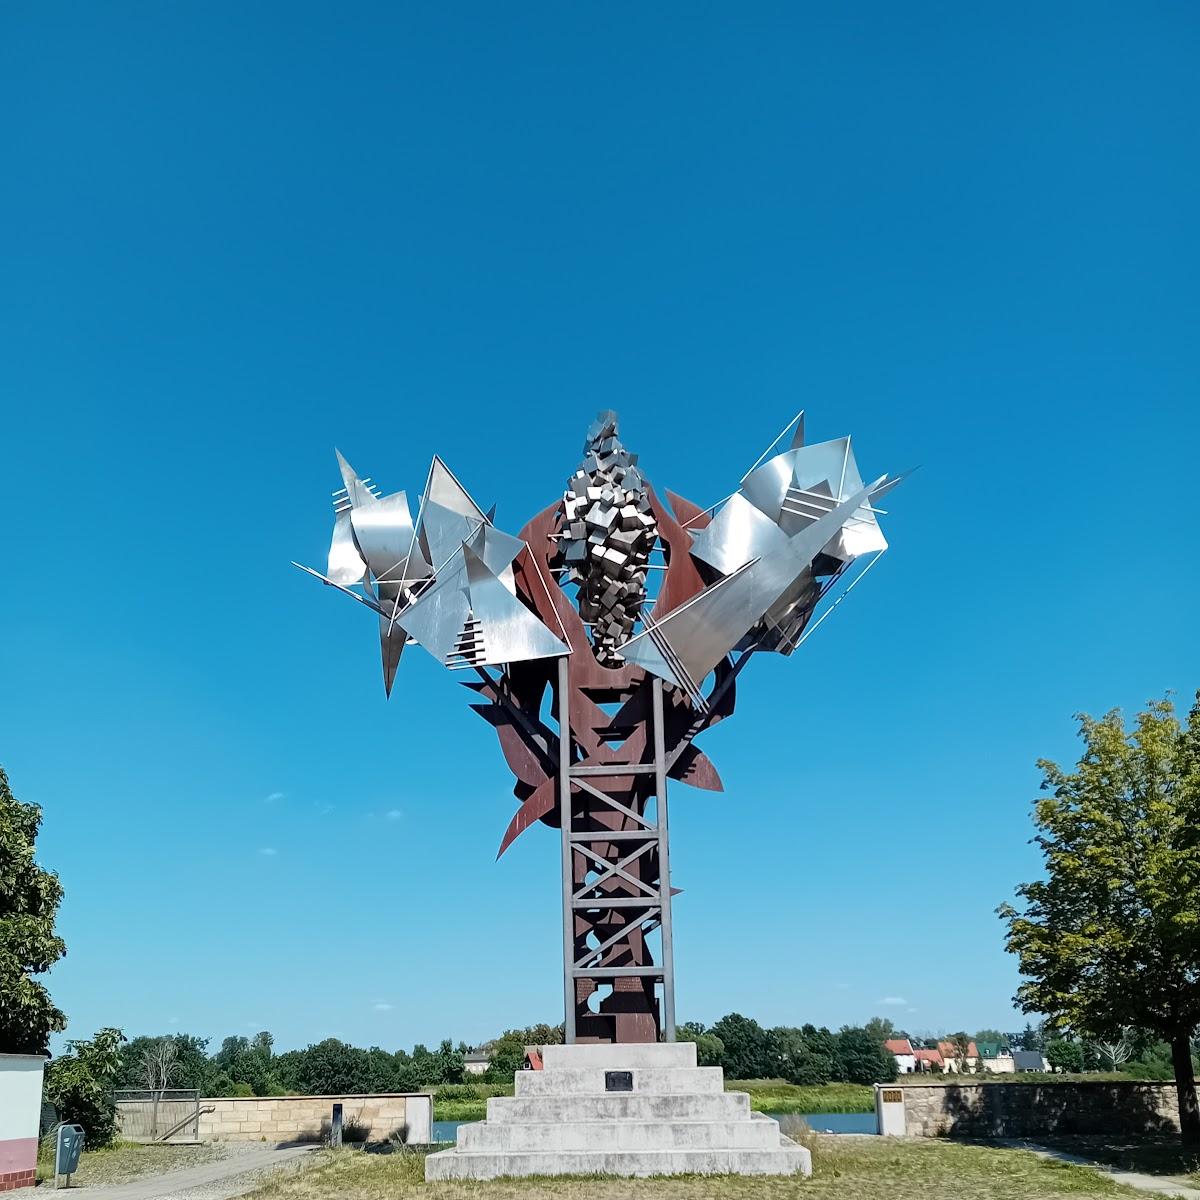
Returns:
(477,1056)
(948,1050)
(929,1056)
(898,1046)
(1028,1060)
(992,1049)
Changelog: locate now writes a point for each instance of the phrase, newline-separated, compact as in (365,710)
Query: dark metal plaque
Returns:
(618,1081)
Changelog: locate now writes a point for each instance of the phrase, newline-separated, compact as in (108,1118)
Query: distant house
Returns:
(1029,1060)
(928,1060)
(950,1059)
(996,1057)
(476,1062)
(901,1050)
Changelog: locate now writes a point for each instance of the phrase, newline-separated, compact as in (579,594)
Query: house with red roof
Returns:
(929,1060)
(901,1050)
(951,1060)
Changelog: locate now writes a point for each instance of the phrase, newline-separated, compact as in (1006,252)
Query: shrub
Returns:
(80,1085)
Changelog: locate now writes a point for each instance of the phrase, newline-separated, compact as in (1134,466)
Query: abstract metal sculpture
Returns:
(670,604)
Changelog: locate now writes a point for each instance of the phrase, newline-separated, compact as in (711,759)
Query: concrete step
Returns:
(624,1056)
(785,1159)
(759,1134)
(619,1106)
(590,1080)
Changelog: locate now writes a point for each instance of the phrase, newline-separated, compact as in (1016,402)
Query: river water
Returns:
(447,1131)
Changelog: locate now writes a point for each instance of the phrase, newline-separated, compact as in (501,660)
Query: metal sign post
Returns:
(67,1148)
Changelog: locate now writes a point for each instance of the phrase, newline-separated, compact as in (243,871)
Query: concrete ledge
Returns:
(623,1056)
(620,1106)
(785,1159)
(621,1135)
(658,1080)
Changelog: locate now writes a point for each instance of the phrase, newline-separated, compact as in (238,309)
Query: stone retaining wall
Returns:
(303,1118)
(1018,1110)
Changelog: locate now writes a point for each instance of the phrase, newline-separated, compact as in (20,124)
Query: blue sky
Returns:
(238,235)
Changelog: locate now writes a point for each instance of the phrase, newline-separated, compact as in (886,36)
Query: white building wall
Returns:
(20,1095)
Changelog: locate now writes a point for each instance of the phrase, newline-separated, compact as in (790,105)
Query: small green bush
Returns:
(79,1084)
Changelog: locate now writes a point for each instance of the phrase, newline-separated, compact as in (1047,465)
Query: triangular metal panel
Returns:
(497,549)
(444,489)
(703,631)
(511,633)
(383,530)
(346,565)
(437,616)
(798,433)
(445,531)
(356,489)
(738,533)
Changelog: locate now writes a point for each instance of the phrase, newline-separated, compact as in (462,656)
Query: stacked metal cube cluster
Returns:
(608,533)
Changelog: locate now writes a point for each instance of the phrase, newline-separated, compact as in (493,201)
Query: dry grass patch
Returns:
(123,1161)
(844,1169)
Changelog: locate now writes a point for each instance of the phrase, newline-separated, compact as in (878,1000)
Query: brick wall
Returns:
(11,1180)
(1018,1110)
(301,1118)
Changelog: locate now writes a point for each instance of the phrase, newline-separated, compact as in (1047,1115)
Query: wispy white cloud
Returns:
(274,797)
(894,1001)
(382,1006)
(268,852)
(843,987)
(172,1020)
(393,814)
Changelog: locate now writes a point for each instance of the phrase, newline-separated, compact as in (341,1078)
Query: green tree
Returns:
(1029,1038)
(80,1085)
(328,1068)
(880,1028)
(962,1050)
(748,1048)
(1064,1055)
(248,1063)
(862,1057)
(29,899)
(799,1060)
(194,1069)
(1111,936)
(508,1056)
(710,1050)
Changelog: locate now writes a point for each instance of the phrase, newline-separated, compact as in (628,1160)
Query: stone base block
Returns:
(785,1159)
(620,1110)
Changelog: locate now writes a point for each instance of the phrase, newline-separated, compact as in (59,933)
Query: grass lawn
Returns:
(843,1169)
(776,1096)
(123,1161)
(766,1095)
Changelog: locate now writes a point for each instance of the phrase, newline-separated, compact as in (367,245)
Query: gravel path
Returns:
(1163,1185)
(217,1180)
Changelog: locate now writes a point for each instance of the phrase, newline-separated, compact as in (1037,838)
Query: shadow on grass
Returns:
(1153,1155)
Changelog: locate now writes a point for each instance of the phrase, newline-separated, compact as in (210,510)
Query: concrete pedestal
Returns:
(620,1110)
